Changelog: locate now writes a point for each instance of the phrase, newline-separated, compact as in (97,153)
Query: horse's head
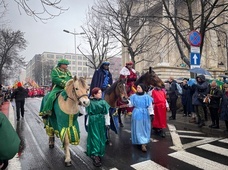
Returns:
(150,78)
(120,89)
(80,91)
(117,90)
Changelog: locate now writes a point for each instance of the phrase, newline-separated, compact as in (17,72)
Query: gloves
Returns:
(151,118)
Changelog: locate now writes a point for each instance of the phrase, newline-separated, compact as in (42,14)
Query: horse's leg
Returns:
(52,140)
(67,151)
(119,116)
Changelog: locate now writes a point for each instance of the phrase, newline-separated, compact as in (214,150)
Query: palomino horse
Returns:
(116,91)
(150,78)
(63,122)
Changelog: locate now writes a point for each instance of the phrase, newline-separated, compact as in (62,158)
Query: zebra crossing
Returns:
(208,153)
(206,146)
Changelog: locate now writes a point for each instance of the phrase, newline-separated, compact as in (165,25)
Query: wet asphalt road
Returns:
(122,155)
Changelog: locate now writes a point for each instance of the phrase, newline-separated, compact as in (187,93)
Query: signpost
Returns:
(195,41)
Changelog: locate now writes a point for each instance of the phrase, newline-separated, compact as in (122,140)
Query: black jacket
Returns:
(215,98)
(19,94)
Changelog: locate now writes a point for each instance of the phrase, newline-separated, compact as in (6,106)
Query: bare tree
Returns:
(102,46)
(205,16)
(126,21)
(10,44)
(47,9)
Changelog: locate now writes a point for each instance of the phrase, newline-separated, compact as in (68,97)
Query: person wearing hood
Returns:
(201,91)
(102,78)
(19,94)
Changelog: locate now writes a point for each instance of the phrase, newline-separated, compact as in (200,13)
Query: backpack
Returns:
(179,89)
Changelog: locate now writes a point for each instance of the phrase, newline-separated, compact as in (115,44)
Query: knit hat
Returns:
(63,61)
(19,84)
(95,91)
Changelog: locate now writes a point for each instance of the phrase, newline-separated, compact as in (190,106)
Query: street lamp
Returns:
(75,34)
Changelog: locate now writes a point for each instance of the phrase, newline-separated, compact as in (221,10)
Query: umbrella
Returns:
(200,71)
(219,83)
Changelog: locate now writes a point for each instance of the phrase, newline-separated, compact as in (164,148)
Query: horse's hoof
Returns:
(51,146)
(67,164)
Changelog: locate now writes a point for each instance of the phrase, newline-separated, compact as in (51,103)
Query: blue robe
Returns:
(98,79)
(140,121)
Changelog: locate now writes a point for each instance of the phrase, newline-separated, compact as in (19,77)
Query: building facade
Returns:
(40,66)
(164,52)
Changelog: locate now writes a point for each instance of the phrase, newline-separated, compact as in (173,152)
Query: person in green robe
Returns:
(9,141)
(98,120)
(59,76)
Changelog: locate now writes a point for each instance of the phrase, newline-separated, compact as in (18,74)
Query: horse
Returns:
(116,91)
(150,78)
(63,121)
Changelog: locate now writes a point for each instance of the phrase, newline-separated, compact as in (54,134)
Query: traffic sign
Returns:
(195,59)
(195,49)
(195,38)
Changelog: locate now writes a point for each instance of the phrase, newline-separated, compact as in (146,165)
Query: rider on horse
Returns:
(102,78)
(130,74)
(59,76)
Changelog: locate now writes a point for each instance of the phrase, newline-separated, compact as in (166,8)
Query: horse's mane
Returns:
(111,88)
(140,79)
(80,79)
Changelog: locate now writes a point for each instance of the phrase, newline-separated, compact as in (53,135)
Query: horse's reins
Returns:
(78,97)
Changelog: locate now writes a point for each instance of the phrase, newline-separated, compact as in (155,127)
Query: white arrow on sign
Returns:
(195,58)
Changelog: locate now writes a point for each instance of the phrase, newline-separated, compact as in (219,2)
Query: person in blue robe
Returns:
(140,120)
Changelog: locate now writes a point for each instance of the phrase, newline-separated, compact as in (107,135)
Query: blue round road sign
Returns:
(195,38)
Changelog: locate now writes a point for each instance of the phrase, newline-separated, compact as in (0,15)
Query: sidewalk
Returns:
(183,122)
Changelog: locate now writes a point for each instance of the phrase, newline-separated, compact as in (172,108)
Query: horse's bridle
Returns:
(78,97)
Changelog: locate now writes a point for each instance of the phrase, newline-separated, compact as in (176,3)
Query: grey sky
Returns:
(50,36)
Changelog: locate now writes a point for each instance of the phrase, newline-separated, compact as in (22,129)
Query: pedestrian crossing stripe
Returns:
(148,165)
(197,161)
(215,149)
(224,140)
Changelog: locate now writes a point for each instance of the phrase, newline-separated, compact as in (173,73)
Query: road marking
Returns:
(148,165)
(224,140)
(197,161)
(128,131)
(192,137)
(175,138)
(193,132)
(215,149)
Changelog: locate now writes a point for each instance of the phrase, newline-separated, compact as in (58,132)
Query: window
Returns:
(79,57)
(80,68)
(73,62)
(67,57)
(59,57)
(50,56)
(80,63)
